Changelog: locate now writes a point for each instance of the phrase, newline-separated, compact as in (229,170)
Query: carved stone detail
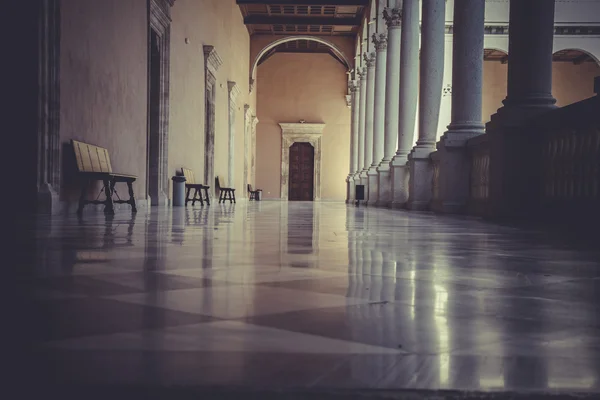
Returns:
(212,60)
(393,17)
(380,41)
(308,133)
(370,59)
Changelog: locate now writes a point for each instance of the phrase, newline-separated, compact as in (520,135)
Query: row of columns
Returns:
(399,75)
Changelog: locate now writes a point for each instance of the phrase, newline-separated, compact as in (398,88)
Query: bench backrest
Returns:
(91,158)
(218,184)
(189,176)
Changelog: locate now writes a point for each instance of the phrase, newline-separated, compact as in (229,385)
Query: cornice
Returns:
(299,128)
(212,58)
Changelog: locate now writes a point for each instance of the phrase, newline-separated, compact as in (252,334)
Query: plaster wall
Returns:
(572,83)
(312,87)
(218,23)
(104,73)
(104,83)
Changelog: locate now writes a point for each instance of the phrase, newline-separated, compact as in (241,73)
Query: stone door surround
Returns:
(304,133)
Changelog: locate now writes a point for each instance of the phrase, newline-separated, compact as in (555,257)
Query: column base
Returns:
(48,201)
(454,172)
(385,186)
(350,192)
(373,190)
(399,177)
(421,179)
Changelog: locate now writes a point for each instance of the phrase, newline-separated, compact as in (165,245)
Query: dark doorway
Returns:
(302,162)
(153,156)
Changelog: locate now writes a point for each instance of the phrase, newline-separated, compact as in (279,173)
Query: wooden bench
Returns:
(191,184)
(254,194)
(93,164)
(225,193)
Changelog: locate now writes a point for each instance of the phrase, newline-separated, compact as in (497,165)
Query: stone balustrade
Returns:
(479,188)
(435,181)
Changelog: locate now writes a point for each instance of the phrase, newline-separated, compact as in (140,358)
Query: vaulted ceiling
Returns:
(303,17)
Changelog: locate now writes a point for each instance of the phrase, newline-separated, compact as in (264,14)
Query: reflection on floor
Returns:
(273,295)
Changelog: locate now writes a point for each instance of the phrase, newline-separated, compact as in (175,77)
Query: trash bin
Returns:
(178,191)
(258,195)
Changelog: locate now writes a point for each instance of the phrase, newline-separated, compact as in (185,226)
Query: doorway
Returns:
(302,161)
(152,180)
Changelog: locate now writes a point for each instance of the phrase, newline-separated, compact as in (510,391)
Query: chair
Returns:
(191,184)
(225,193)
(254,194)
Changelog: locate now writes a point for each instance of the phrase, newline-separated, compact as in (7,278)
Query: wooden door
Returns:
(302,162)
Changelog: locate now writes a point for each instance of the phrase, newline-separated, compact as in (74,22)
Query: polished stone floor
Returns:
(307,296)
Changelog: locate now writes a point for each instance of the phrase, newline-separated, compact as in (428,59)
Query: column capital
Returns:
(380,41)
(362,73)
(370,59)
(353,86)
(393,17)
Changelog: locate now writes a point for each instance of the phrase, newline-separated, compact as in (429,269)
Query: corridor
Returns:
(295,296)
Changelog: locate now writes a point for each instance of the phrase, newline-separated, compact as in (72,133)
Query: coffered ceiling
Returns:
(303,17)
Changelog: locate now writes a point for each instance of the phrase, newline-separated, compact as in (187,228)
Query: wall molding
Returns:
(300,133)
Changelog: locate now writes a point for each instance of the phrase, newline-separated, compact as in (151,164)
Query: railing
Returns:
(435,181)
(479,188)
(569,161)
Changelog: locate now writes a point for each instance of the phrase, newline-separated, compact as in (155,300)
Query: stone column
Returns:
(380,41)
(393,17)
(362,105)
(354,93)
(467,74)
(369,109)
(431,80)
(409,72)
(529,93)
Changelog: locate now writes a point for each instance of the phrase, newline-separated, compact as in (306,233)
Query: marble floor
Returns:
(306,297)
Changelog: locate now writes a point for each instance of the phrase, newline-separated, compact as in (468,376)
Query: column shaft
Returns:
(355,90)
(409,70)
(392,94)
(467,67)
(430,92)
(370,108)
(467,74)
(409,64)
(380,41)
(530,41)
(379,100)
(362,107)
(431,70)
(393,18)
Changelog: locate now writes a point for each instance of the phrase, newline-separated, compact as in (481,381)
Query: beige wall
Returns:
(494,87)
(104,76)
(572,83)
(218,23)
(104,81)
(312,87)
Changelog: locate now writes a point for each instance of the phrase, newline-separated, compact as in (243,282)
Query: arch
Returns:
(286,39)
(586,52)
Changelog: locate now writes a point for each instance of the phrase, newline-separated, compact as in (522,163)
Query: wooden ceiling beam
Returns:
(306,2)
(284,20)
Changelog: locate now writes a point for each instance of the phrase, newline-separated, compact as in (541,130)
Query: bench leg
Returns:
(206,197)
(233,196)
(187,195)
(131,197)
(199,194)
(109,206)
(84,187)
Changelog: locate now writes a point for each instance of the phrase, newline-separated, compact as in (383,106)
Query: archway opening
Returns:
(573,72)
